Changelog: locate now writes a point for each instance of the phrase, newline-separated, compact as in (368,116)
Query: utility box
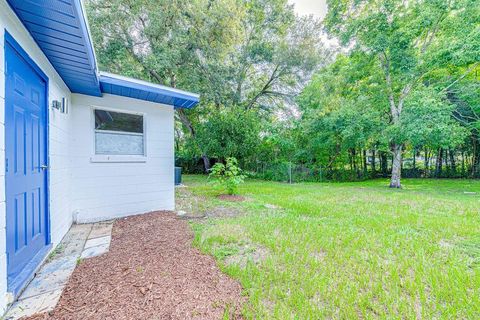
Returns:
(178,176)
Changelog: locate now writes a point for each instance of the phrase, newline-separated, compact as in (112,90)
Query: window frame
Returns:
(101,158)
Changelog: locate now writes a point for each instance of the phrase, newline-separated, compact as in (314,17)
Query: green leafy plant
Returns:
(228,176)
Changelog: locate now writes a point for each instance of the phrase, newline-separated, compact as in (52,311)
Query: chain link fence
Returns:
(285,172)
(293,173)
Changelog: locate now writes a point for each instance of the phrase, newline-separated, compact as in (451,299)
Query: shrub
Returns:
(229,176)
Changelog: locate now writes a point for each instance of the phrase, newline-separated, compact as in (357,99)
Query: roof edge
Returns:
(189,99)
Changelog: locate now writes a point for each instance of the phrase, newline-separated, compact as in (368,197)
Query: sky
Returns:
(305,7)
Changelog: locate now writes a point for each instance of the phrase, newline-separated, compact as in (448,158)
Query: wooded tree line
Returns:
(401,91)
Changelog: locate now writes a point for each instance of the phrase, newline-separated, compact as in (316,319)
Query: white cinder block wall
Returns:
(103,189)
(60,137)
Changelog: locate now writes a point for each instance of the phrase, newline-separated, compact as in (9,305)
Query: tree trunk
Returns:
(401,164)
(186,122)
(176,140)
(206,163)
(365,170)
(453,164)
(395,112)
(475,156)
(354,157)
(373,163)
(383,163)
(414,159)
(427,162)
(396,166)
(350,160)
(445,158)
(380,162)
(438,171)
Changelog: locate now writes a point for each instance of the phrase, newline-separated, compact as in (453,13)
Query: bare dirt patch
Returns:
(151,272)
(192,207)
(271,206)
(224,212)
(248,253)
(236,248)
(231,197)
(318,255)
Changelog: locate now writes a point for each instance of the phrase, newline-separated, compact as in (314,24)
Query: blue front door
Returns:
(25,161)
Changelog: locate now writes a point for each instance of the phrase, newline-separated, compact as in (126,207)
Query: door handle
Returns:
(44,167)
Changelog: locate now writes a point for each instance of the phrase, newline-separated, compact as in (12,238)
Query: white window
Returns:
(119,133)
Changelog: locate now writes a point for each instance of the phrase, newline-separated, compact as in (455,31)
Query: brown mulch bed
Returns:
(151,272)
(231,197)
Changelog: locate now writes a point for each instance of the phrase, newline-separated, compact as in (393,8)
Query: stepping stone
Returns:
(78,231)
(61,263)
(74,247)
(52,282)
(73,242)
(98,242)
(36,304)
(95,251)
(101,230)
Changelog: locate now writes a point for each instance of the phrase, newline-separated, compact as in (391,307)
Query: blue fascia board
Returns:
(142,90)
(86,34)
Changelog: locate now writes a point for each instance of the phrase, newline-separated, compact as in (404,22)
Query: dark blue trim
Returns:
(148,92)
(88,44)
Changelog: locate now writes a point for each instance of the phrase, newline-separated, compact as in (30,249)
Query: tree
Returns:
(228,176)
(179,44)
(342,112)
(229,133)
(255,55)
(399,35)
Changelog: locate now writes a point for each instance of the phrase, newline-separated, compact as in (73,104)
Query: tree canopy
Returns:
(400,94)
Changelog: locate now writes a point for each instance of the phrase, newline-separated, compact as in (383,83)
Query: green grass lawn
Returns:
(351,250)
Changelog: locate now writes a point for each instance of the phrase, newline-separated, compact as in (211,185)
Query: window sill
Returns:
(118,159)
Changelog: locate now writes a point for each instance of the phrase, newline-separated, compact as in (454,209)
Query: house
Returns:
(76,144)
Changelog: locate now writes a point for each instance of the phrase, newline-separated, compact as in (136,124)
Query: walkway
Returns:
(43,292)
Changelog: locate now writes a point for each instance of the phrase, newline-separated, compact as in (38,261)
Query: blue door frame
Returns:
(26,159)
